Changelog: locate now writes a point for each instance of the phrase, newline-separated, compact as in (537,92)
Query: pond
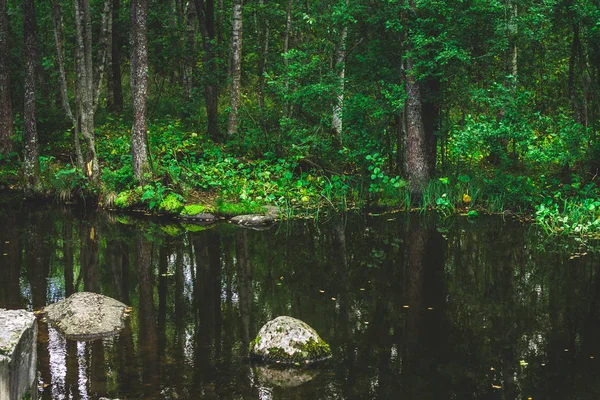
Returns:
(413,307)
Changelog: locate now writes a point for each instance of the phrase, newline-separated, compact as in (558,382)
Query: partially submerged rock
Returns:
(289,341)
(203,218)
(87,316)
(18,353)
(253,220)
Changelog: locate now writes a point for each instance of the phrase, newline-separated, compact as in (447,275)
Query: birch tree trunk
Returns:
(6,113)
(236,68)
(31,158)
(139,86)
(190,50)
(340,67)
(262,62)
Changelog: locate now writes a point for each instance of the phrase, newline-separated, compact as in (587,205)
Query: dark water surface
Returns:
(413,308)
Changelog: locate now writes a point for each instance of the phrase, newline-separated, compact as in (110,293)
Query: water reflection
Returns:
(411,307)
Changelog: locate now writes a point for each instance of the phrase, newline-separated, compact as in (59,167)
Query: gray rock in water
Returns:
(289,341)
(200,217)
(87,316)
(18,353)
(255,220)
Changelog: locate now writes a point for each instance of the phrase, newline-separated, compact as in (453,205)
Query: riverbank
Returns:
(192,175)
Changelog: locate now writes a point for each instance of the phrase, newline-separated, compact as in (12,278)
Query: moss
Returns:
(171,204)
(308,352)
(252,343)
(232,209)
(193,209)
(128,198)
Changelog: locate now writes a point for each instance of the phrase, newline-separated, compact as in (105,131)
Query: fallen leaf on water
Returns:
(366,322)
(492,369)
(7,242)
(430,308)
(5,254)
(321,291)
(566,349)
(523,363)
(543,365)
(362,289)
(405,306)
(281,278)
(496,387)
(591,356)
(333,298)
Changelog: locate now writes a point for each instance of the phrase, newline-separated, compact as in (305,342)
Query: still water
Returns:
(413,307)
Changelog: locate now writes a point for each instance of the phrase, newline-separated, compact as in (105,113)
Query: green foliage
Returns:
(171,204)
(193,209)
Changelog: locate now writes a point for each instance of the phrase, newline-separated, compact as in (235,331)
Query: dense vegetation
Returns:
(456,106)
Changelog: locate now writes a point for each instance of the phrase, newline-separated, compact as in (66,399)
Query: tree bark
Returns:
(205,10)
(190,50)
(6,113)
(115,56)
(139,86)
(59,41)
(340,68)
(236,68)
(262,62)
(31,158)
(418,168)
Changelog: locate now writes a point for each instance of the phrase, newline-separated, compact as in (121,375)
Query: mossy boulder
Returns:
(254,220)
(289,341)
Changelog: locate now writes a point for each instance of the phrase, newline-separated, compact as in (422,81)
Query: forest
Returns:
(176,106)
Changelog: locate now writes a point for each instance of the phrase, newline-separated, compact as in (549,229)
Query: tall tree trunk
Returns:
(418,168)
(286,48)
(205,10)
(31,159)
(115,65)
(59,41)
(6,114)
(262,62)
(340,68)
(139,86)
(236,68)
(88,86)
(190,50)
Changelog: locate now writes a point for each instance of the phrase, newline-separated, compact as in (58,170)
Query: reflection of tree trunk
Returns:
(246,294)
(72,373)
(10,293)
(147,314)
(97,376)
(180,313)
(89,256)
(38,260)
(68,254)
(163,266)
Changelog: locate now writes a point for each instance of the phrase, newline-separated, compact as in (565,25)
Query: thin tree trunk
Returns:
(59,41)
(236,68)
(6,113)
(340,67)
(572,60)
(286,48)
(205,10)
(139,86)
(262,62)
(31,159)
(115,65)
(190,51)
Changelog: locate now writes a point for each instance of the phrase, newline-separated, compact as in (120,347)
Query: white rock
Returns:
(287,340)
(18,353)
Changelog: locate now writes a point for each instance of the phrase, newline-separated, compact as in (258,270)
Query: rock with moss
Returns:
(193,215)
(128,198)
(87,316)
(18,353)
(289,341)
(254,220)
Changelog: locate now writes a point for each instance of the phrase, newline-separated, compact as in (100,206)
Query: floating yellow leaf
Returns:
(496,387)
(333,298)
(430,308)
(362,289)
(405,306)
(466,198)
(321,291)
